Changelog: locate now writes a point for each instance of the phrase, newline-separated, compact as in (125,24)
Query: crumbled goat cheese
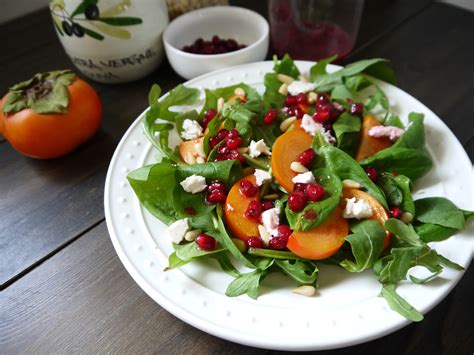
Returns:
(393,133)
(270,220)
(261,176)
(298,87)
(311,126)
(264,234)
(194,183)
(178,230)
(257,148)
(357,209)
(304,178)
(191,129)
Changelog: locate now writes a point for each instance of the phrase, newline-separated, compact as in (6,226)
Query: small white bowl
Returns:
(245,26)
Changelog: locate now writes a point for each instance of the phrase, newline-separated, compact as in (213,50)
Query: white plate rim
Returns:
(218,330)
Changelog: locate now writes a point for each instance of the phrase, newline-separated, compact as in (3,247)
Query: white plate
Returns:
(346,310)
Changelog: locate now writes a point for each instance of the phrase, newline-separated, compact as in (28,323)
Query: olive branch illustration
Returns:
(87,12)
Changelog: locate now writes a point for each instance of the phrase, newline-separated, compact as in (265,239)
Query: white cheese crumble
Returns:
(257,148)
(194,183)
(304,178)
(261,176)
(191,129)
(311,126)
(393,133)
(357,209)
(270,220)
(178,230)
(298,87)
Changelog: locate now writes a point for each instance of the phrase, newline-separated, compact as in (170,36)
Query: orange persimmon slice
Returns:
(370,145)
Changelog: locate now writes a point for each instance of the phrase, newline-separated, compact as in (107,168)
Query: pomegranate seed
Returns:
(213,141)
(206,242)
(299,187)
(216,185)
(301,99)
(190,210)
(210,113)
(255,242)
(234,143)
(295,111)
(223,149)
(296,201)
(322,100)
(372,173)
(270,116)
(277,243)
(307,157)
(396,212)
(266,205)
(247,188)
(216,196)
(310,214)
(233,134)
(314,192)
(254,210)
(283,231)
(216,40)
(356,109)
(334,112)
(322,114)
(290,101)
(222,134)
(235,155)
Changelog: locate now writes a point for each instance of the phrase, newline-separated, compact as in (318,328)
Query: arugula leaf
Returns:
(212,129)
(398,304)
(341,92)
(226,265)
(273,254)
(319,69)
(405,161)
(175,262)
(246,284)
(357,82)
(180,117)
(344,166)
(271,95)
(417,280)
(242,116)
(323,208)
(378,98)
(366,244)
(302,271)
(404,232)
(179,96)
(347,128)
(440,211)
(154,186)
(226,93)
(286,66)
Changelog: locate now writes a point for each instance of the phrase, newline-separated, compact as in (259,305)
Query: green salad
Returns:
(315,170)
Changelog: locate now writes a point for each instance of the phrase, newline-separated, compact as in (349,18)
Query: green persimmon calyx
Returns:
(44,93)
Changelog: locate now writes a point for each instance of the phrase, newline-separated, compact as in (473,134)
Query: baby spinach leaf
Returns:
(271,94)
(190,251)
(414,136)
(392,120)
(357,82)
(378,98)
(405,185)
(405,161)
(341,92)
(175,262)
(154,186)
(246,284)
(228,171)
(204,222)
(440,211)
(226,265)
(344,166)
(366,244)
(390,188)
(179,96)
(398,304)
(302,271)
(286,66)
(430,232)
(316,213)
(347,128)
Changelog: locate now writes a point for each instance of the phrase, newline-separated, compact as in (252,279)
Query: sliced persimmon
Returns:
(187,150)
(322,241)
(370,145)
(234,211)
(286,149)
(379,212)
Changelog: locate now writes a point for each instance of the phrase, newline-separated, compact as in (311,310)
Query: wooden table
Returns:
(63,287)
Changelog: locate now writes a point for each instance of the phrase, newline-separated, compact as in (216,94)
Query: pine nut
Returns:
(286,79)
(303,78)
(283,89)
(312,97)
(200,160)
(190,159)
(305,290)
(243,150)
(351,184)
(264,234)
(239,92)
(199,149)
(286,123)
(297,167)
(191,235)
(220,104)
(406,217)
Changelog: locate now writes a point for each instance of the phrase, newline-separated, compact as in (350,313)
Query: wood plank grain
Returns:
(83,300)
(432,56)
